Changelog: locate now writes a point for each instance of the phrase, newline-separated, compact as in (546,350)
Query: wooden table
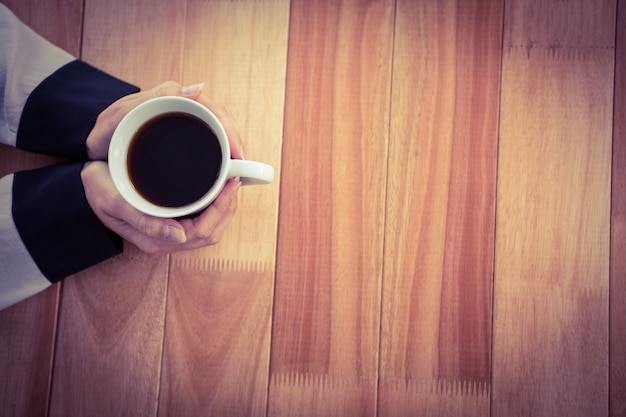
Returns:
(446,235)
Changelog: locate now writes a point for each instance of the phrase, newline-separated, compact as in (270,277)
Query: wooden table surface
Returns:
(446,235)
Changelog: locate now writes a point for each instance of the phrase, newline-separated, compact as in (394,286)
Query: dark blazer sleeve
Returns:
(50,210)
(56,224)
(63,108)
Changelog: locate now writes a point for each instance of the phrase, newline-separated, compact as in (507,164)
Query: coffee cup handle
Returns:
(251,172)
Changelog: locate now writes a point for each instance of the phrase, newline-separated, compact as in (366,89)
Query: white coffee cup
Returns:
(250,172)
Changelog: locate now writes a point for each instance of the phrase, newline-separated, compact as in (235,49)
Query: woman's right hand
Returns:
(152,234)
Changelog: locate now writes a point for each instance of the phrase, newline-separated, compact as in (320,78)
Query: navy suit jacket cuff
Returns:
(49,208)
(56,223)
(62,110)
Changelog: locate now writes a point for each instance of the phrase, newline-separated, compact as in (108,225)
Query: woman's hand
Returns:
(152,234)
(100,136)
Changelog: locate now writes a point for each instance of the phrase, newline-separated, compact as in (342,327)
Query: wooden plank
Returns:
(439,234)
(27,330)
(617,301)
(140,40)
(553,210)
(216,355)
(59,21)
(13,160)
(239,50)
(327,299)
(109,341)
(110,335)
(218,328)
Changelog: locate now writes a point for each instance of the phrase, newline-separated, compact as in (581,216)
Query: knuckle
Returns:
(207,236)
(225,207)
(219,107)
(227,211)
(221,209)
(142,224)
(167,88)
(114,206)
(232,209)
(147,226)
(114,112)
(104,120)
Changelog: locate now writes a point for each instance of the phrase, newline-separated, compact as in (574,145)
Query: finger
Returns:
(221,224)
(152,235)
(116,207)
(210,225)
(99,138)
(153,243)
(192,91)
(168,88)
(216,234)
(167,230)
(234,139)
(172,88)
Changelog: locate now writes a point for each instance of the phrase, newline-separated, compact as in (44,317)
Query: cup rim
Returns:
(128,127)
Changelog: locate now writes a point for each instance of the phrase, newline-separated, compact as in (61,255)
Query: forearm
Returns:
(49,103)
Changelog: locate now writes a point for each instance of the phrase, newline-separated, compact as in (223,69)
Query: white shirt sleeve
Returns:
(19,276)
(25,60)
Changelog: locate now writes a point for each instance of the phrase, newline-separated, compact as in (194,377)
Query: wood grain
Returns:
(27,334)
(111,326)
(327,299)
(367,293)
(218,328)
(60,22)
(13,160)
(28,329)
(216,356)
(239,50)
(439,235)
(140,41)
(110,338)
(617,300)
(552,230)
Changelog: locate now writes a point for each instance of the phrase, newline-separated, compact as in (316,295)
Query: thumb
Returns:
(168,230)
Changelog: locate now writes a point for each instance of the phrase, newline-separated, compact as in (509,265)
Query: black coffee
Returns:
(174,159)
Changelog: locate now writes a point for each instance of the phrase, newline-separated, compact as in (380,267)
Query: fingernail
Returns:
(190,90)
(174,234)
